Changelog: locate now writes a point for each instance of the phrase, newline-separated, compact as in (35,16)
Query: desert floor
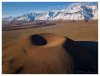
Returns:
(78,31)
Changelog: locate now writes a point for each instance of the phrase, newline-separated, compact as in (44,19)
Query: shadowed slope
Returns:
(85,55)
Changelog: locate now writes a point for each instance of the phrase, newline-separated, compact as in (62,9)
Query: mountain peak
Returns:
(75,11)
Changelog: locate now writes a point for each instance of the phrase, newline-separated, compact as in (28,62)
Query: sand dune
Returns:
(50,53)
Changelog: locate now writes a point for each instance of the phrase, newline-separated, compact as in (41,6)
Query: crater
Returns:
(38,40)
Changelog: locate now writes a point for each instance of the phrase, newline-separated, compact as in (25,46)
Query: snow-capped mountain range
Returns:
(75,11)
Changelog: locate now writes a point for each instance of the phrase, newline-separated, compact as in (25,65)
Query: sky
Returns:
(19,8)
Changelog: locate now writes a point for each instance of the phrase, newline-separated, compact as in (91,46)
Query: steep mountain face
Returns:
(75,11)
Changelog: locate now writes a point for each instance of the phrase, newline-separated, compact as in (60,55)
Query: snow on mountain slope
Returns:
(10,18)
(75,11)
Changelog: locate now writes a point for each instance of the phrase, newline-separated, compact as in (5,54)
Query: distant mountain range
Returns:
(75,11)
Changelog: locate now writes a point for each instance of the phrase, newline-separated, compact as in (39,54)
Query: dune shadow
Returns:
(91,46)
(84,54)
